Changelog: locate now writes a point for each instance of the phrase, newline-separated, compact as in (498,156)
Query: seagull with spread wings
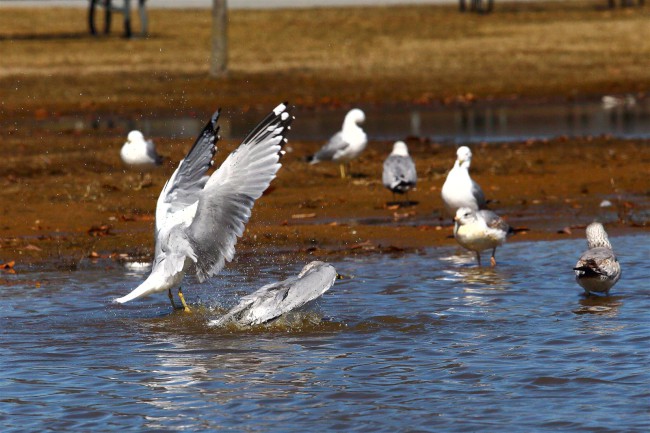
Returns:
(199,218)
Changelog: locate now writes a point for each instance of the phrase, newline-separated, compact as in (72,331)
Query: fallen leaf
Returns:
(303,216)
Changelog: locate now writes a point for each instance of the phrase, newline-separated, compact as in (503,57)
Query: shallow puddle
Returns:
(413,342)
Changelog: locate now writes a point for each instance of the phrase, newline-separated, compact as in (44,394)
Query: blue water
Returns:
(413,342)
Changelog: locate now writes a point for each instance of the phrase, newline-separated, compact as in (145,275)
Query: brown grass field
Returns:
(56,186)
(324,56)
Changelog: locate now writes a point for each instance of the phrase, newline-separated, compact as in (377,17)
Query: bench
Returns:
(486,6)
(109,9)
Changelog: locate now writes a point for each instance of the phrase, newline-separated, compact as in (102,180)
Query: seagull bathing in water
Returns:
(346,144)
(459,190)
(598,269)
(480,230)
(275,299)
(399,174)
(198,219)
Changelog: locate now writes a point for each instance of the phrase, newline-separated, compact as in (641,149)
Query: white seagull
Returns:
(275,299)
(480,230)
(399,174)
(598,269)
(139,153)
(198,220)
(459,190)
(346,144)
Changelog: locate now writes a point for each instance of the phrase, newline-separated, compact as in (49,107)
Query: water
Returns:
(466,124)
(415,342)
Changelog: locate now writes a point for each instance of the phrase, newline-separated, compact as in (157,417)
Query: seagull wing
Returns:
(478,194)
(399,172)
(151,153)
(273,300)
(599,261)
(183,188)
(494,221)
(225,202)
(332,148)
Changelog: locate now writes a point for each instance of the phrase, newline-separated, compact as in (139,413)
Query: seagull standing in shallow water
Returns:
(480,230)
(459,190)
(598,269)
(198,219)
(346,144)
(399,174)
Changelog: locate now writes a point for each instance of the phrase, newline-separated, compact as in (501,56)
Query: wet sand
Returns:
(68,197)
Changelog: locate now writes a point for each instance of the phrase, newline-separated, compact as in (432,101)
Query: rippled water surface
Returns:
(413,342)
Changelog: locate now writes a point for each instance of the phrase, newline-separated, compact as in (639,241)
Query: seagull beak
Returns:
(343,277)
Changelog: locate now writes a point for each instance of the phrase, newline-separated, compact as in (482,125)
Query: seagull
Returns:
(137,152)
(480,230)
(399,170)
(459,190)
(598,269)
(140,155)
(198,220)
(275,299)
(346,144)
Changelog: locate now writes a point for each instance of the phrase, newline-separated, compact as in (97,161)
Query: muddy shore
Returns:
(68,197)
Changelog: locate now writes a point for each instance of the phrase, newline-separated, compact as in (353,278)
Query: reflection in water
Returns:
(464,124)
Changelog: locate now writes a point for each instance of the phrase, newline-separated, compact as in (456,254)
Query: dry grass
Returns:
(319,56)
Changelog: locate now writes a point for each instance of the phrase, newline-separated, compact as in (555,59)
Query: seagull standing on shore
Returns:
(345,145)
(399,174)
(480,230)
(139,153)
(459,190)
(598,269)
(275,299)
(198,220)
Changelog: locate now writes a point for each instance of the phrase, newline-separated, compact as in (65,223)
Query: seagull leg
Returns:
(342,168)
(478,258)
(493,260)
(171,298)
(180,295)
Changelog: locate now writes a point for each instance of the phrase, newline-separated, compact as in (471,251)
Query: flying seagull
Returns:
(346,144)
(275,299)
(598,269)
(198,220)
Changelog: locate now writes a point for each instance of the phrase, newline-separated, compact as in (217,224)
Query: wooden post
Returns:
(219,53)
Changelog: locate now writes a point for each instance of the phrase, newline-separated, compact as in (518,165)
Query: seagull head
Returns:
(464,215)
(135,136)
(464,156)
(597,236)
(355,116)
(400,149)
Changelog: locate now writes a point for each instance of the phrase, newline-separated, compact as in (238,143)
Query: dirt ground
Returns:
(76,201)
(66,196)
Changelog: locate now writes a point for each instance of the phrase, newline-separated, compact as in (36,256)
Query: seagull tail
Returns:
(311,159)
(143,289)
